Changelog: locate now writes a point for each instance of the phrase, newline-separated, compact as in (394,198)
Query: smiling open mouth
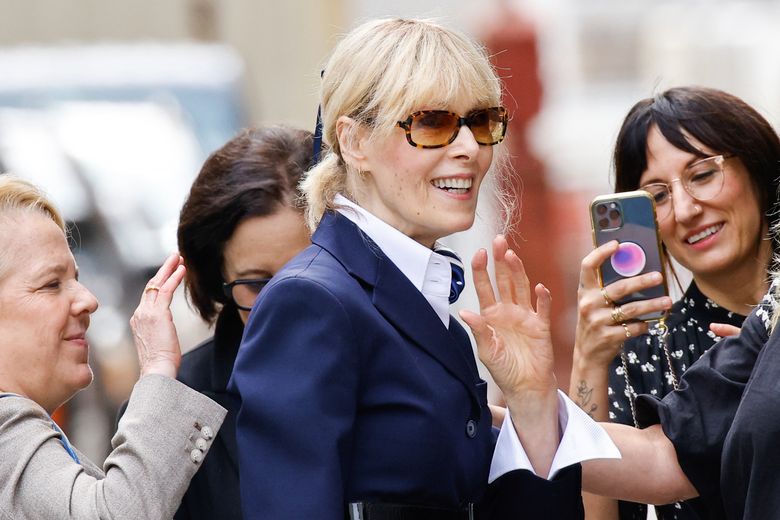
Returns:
(459,185)
(704,234)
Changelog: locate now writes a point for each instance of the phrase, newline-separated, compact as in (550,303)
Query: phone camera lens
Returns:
(604,223)
(601,209)
(614,214)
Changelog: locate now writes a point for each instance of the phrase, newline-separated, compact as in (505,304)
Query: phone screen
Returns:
(630,219)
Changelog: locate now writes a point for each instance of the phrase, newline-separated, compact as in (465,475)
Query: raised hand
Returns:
(514,342)
(154,332)
(513,338)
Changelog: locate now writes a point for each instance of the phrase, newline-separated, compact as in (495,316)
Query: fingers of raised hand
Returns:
(482,285)
(521,287)
(170,285)
(503,270)
(479,327)
(165,281)
(543,302)
(511,279)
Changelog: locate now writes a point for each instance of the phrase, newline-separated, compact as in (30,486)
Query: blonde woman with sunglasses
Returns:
(711,163)
(360,396)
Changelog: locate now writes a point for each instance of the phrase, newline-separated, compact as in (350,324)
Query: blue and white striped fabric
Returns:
(458,280)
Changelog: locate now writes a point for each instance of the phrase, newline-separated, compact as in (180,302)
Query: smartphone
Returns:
(629,218)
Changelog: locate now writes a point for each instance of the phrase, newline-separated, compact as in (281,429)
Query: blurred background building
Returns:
(112,106)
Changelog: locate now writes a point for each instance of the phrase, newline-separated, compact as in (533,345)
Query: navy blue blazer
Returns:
(353,390)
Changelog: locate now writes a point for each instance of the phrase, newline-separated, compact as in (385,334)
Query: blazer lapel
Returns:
(396,298)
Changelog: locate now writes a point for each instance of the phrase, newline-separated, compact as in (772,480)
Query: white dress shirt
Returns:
(429,271)
(582,438)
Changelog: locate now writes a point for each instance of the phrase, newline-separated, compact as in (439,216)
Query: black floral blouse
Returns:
(649,373)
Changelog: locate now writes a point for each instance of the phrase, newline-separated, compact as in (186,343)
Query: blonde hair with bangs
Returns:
(381,72)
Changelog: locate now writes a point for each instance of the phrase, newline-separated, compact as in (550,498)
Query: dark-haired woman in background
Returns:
(238,227)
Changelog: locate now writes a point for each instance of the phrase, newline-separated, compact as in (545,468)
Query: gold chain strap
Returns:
(661,331)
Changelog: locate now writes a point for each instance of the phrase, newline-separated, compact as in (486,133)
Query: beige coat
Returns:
(158,447)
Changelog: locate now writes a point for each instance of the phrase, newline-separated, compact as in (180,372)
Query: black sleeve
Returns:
(632,511)
(183,513)
(521,494)
(697,417)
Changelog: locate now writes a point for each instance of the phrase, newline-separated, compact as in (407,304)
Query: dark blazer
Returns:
(353,390)
(214,490)
(723,421)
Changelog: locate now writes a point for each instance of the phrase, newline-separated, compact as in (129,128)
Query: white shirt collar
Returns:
(428,271)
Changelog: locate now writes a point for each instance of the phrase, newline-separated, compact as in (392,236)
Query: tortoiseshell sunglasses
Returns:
(437,128)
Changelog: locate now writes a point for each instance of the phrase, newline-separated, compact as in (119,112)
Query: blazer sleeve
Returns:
(297,374)
(146,474)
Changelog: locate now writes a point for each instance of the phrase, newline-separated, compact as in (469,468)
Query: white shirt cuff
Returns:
(582,439)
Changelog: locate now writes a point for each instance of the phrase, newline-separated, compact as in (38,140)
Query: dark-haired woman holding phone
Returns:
(711,163)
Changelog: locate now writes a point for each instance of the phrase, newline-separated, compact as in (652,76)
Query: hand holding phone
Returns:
(629,218)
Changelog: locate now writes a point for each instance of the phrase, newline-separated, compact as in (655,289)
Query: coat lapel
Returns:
(396,298)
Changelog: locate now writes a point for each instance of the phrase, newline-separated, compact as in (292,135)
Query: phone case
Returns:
(629,218)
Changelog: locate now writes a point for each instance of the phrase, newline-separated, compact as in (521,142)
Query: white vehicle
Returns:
(115,134)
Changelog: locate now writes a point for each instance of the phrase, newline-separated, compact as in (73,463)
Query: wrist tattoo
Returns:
(584,396)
